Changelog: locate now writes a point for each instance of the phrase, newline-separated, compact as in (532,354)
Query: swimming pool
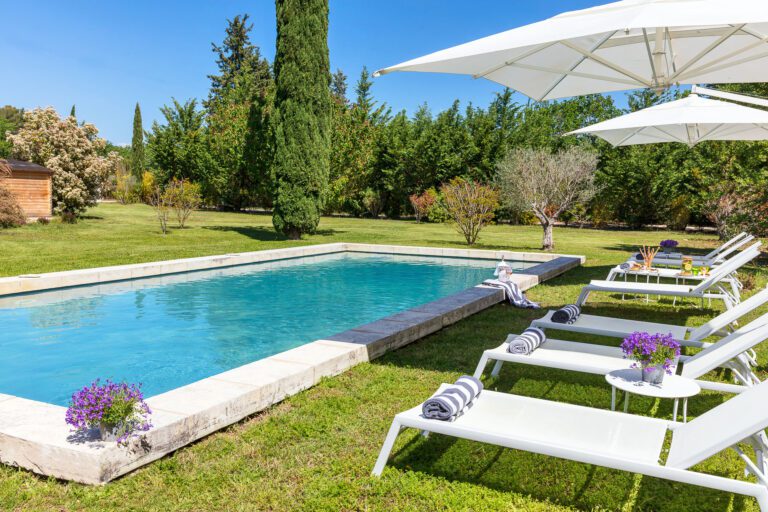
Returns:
(173,330)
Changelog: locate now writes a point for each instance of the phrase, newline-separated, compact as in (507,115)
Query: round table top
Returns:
(673,386)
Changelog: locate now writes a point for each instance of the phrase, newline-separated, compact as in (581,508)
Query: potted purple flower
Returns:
(654,354)
(117,410)
(668,245)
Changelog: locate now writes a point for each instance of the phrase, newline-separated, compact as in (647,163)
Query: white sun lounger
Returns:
(731,352)
(711,259)
(710,288)
(657,273)
(611,439)
(720,325)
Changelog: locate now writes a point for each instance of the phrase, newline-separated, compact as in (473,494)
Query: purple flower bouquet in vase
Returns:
(117,410)
(654,354)
(668,245)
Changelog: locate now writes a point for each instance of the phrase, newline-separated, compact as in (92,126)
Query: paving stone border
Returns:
(33,434)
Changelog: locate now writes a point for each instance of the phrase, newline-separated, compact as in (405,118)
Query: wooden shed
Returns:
(31,185)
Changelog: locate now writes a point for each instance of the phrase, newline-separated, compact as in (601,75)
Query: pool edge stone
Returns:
(188,413)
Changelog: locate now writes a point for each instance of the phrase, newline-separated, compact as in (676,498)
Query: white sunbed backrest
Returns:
(740,417)
(724,246)
(726,318)
(731,265)
(735,247)
(727,348)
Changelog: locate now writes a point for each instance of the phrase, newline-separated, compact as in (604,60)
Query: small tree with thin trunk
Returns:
(422,203)
(162,203)
(471,206)
(547,183)
(184,197)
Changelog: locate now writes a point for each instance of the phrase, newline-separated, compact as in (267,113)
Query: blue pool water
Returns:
(170,331)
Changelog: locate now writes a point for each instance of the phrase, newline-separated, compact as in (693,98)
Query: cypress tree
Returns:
(72,112)
(137,144)
(302,115)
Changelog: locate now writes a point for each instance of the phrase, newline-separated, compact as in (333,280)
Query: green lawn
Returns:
(315,450)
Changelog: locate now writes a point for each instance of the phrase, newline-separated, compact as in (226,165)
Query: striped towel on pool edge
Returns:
(528,341)
(452,401)
(512,293)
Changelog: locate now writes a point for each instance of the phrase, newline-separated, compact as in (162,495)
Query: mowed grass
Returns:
(315,451)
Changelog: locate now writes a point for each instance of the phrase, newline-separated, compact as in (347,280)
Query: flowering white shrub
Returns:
(72,151)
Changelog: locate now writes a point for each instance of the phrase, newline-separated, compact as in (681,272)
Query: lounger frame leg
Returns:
(386,449)
(496,368)
(583,296)
(481,365)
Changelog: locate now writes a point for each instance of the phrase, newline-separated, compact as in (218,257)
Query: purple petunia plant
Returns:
(650,351)
(119,407)
(668,244)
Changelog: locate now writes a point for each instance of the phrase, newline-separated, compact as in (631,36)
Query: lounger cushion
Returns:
(568,355)
(608,326)
(551,428)
(630,287)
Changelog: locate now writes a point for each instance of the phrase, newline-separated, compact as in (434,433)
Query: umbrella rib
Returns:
(706,51)
(650,53)
(577,64)
(572,73)
(710,132)
(670,135)
(709,67)
(625,139)
(668,35)
(761,39)
(514,61)
(606,63)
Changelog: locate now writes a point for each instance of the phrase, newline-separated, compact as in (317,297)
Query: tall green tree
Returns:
(137,143)
(72,112)
(302,115)
(339,87)
(237,57)
(238,96)
(179,148)
(365,104)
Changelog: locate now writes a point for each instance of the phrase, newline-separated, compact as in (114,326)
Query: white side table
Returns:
(673,386)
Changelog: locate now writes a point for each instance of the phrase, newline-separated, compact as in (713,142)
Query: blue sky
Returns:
(105,56)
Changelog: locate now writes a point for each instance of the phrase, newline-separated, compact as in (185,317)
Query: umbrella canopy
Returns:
(690,120)
(624,45)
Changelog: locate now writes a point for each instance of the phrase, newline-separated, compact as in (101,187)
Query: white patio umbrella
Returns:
(624,45)
(689,120)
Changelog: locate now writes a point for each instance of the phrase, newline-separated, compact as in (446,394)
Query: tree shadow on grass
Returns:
(264,234)
(544,478)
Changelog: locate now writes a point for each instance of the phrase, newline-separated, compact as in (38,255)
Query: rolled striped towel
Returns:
(528,341)
(453,400)
(625,266)
(567,314)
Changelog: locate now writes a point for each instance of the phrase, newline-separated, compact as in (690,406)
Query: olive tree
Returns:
(547,183)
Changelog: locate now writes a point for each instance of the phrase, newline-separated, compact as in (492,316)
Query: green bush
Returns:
(437,213)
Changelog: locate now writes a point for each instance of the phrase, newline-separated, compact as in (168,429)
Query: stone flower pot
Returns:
(653,374)
(108,432)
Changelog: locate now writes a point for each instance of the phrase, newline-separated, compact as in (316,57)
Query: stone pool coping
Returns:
(33,434)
